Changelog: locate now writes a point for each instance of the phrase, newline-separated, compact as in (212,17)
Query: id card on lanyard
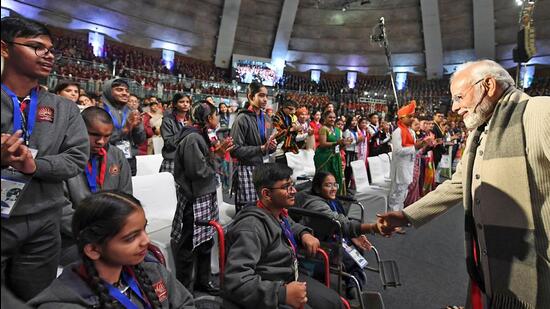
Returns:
(20,122)
(123,299)
(118,125)
(285,226)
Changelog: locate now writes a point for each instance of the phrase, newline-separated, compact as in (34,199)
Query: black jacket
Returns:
(259,259)
(246,138)
(194,170)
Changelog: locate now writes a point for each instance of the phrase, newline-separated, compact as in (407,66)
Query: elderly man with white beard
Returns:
(503,182)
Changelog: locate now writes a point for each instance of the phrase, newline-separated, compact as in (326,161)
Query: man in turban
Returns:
(404,150)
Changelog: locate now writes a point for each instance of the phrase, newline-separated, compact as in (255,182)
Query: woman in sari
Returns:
(327,156)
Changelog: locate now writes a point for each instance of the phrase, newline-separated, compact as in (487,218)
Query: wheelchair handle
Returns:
(221,243)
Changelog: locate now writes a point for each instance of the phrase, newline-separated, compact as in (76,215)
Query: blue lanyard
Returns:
(18,116)
(354,134)
(115,119)
(288,233)
(335,206)
(92,177)
(123,299)
(260,119)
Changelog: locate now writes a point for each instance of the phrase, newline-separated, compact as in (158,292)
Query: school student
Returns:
(107,169)
(262,267)
(44,137)
(195,174)
(251,133)
(115,270)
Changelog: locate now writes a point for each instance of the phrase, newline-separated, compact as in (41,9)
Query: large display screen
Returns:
(246,71)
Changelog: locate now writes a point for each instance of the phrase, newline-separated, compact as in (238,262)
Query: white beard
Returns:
(473,120)
(484,111)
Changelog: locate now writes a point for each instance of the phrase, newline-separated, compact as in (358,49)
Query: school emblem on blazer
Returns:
(160,290)
(45,113)
(114,170)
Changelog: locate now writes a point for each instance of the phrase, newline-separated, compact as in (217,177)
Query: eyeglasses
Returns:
(288,187)
(458,98)
(39,50)
(331,185)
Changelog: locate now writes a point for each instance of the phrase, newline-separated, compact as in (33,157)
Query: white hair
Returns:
(486,68)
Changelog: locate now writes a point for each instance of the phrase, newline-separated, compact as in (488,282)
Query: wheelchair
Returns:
(326,228)
(216,302)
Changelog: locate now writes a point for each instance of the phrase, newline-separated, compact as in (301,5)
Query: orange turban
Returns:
(407,109)
(301,111)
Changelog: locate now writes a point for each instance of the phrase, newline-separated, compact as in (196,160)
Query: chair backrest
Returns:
(158,143)
(377,171)
(385,160)
(302,163)
(157,194)
(360,175)
(324,228)
(148,164)
(226,211)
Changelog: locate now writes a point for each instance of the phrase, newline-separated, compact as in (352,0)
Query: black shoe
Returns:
(208,288)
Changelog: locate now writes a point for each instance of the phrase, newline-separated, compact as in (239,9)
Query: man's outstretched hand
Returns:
(388,223)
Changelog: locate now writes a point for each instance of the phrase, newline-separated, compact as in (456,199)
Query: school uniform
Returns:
(261,260)
(30,236)
(129,142)
(249,132)
(195,174)
(71,290)
(111,172)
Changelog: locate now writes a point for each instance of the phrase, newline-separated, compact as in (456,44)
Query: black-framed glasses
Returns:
(39,50)
(288,187)
(458,98)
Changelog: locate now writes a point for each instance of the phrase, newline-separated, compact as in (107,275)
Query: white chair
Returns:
(227,213)
(302,163)
(386,164)
(377,173)
(157,194)
(148,164)
(158,143)
(374,199)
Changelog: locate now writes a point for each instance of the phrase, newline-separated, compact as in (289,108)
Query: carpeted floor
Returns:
(431,264)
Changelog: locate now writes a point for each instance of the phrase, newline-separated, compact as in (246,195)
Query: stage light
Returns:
(98,42)
(168,58)
(352,78)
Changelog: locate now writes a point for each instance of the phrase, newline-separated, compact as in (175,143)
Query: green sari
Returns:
(327,159)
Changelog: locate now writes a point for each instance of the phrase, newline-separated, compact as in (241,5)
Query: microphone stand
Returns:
(382,39)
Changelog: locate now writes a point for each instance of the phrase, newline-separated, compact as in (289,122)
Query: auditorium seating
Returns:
(157,194)
(148,164)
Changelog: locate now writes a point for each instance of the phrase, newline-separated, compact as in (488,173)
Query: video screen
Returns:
(246,71)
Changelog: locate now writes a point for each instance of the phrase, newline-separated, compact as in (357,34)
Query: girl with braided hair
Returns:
(115,270)
(195,174)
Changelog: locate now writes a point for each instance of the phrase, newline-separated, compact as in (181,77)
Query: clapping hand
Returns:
(16,154)
(223,147)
